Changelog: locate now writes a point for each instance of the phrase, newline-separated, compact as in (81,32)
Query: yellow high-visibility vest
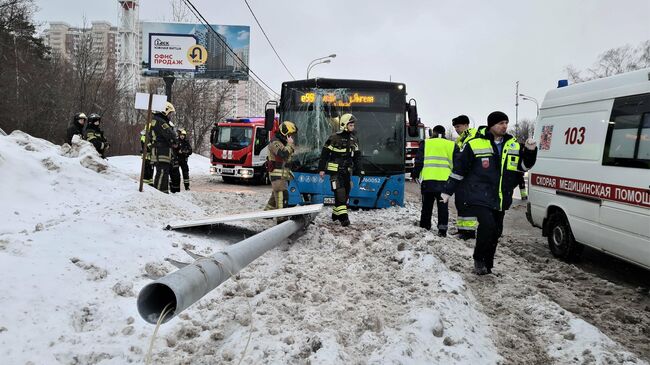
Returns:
(438,159)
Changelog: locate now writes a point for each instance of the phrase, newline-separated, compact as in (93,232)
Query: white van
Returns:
(591,182)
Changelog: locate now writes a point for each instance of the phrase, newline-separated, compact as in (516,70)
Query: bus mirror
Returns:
(269,118)
(413,131)
(412,110)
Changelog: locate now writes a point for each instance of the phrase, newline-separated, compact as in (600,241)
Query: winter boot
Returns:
(187,186)
(345,221)
(334,217)
(442,233)
(479,267)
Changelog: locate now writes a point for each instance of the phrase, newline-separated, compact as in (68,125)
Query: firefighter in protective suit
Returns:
(281,149)
(164,140)
(148,166)
(340,159)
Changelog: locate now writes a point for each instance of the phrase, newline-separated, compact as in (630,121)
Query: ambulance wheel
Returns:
(560,238)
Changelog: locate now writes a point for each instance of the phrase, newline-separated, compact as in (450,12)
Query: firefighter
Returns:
(340,158)
(76,127)
(487,171)
(184,152)
(281,149)
(163,140)
(433,164)
(95,135)
(466,222)
(148,166)
(174,172)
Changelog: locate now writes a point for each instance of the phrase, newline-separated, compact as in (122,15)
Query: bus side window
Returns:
(261,139)
(628,135)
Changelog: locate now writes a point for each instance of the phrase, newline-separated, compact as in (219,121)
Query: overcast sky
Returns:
(455,57)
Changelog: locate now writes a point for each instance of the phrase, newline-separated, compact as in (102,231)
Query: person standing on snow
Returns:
(281,149)
(466,222)
(76,127)
(433,164)
(95,135)
(487,184)
(148,166)
(340,159)
(184,152)
(163,140)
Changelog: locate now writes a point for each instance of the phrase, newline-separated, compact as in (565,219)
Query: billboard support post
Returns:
(169,81)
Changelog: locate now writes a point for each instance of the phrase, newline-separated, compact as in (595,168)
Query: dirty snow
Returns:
(78,242)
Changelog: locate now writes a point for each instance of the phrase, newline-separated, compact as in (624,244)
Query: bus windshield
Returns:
(233,138)
(379,127)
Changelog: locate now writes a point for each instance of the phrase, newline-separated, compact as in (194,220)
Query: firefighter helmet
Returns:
(182,132)
(287,128)
(79,116)
(94,117)
(345,120)
(169,108)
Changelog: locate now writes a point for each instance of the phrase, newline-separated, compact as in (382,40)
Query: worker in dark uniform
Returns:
(466,222)
(76,127)
(488,171)
(95,135)
(433,164)
(281,149)
(184,152)
(163,140)
(148,166)
(340,159)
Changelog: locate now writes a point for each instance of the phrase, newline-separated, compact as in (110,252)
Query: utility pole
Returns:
(516,104)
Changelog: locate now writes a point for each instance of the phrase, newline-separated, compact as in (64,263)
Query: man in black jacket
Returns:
(340,158)
(95,135)
(164,139)
(184,152)
(76,127)
(487,171)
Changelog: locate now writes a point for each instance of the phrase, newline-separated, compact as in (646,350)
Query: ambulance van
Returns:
(591,182)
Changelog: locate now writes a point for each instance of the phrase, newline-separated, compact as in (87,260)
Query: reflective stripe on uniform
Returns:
(467,223)
(339,210)
(483,151)
(332,166)
(334,149)
(456,176)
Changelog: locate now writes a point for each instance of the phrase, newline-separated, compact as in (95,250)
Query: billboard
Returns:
(188,50)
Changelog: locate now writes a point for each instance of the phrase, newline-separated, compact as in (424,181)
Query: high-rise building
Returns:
(248,98)
(65,41)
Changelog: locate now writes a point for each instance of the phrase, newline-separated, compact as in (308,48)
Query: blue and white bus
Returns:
(380,107)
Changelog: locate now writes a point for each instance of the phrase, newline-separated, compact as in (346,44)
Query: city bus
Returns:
(381,109)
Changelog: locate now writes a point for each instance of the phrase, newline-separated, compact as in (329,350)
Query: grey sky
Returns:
(455,57)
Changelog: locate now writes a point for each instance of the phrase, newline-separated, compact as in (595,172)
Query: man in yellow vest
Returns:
(487,171)
(433,164)
(466,222)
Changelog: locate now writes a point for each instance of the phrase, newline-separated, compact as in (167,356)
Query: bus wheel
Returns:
(560,238)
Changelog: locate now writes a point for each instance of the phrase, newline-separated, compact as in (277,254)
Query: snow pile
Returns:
(78,242)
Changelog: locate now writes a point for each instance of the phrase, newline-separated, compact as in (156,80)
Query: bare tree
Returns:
(612,62)
(199,104)
(523,130)
(180,12)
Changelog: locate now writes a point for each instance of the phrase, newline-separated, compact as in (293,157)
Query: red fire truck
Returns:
(239,147)
(412,145)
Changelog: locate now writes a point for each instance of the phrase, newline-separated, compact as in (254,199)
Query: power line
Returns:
(202,19)
(268,40)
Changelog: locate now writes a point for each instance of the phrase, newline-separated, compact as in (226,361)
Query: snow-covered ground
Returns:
(78,241)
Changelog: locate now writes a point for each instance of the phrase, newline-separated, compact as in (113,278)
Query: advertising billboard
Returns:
(188,50)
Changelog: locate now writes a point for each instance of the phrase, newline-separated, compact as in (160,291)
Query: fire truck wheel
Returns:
(560,238)
(229,179)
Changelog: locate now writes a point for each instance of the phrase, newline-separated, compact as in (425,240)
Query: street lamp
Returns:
(312,64)
(530,98)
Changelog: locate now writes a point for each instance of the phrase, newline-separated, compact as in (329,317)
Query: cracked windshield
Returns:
(380,130)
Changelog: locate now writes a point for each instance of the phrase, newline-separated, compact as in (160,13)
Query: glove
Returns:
(530,144)
(444,197)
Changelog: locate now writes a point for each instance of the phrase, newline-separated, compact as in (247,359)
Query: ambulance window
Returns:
(628,133)
(644,140)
